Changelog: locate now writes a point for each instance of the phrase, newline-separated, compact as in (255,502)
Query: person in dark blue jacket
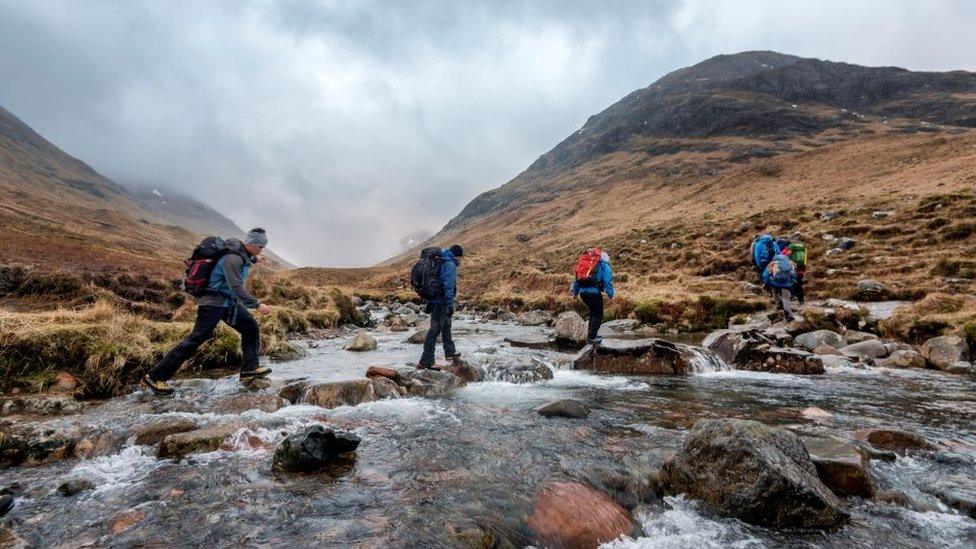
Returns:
(592,295)
(441,309)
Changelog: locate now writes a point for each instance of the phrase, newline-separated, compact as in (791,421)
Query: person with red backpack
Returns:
(592,277)
(216,275)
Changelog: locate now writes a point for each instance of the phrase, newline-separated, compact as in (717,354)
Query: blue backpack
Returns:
(781,272)
(763,251)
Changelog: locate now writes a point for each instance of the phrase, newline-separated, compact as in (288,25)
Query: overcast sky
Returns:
(346,127)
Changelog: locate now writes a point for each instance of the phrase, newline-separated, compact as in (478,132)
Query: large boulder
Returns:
(313,449)
(565,407)
(944,351)
(428,383)
(384,387)
(812,340)
(339,393)
(871,348)
(207,439)
(517,370)
(759,474)
(649,356)
(780,360)
(573,515)
(361,342)
(902,359)
(570,328)
(894,440)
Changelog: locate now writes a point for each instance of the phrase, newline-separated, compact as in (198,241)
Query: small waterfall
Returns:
(703,360)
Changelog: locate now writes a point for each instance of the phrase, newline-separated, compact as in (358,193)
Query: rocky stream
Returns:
(755,440)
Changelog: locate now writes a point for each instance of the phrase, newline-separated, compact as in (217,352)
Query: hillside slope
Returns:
(676,178)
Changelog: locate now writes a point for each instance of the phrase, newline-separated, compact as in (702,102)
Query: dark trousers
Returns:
(440,325)
(237,318)
(594,302)
(798,285)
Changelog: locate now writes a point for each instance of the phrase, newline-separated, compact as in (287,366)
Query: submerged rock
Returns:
(33,445)
(566,407)
(894,440)
(202,440)
(69,488)
(570,514)
(42,405)
(756,473)
(313,449)
(362,342)
(943,351)
(339,393)
(570,328)
(518,370)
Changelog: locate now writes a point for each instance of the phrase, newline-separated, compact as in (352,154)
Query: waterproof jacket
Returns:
(227,280)
(448,280)
(604,278)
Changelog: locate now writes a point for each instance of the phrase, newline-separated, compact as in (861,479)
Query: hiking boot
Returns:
(263,371)
(455,359)
(157,387)
(595,341)
(433,367)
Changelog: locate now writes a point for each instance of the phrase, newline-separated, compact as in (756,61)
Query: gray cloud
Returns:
(345,127)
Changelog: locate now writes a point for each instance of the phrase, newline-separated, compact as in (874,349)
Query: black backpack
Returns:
(425,276)
(201,264)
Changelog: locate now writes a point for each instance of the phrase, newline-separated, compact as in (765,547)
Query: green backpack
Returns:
(798,253)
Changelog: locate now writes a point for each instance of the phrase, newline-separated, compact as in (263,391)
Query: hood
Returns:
(605,257)
(446,254)
(234,245)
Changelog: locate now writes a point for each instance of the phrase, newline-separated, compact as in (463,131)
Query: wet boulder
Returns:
(842,466)
(871,348)
(518,370)
(759,474)
(428,383)
(649,356)
(902,359)
(384,387)
(382,371)
(71,487)
(32,444)
(534,318)
(565,407)
(570,328)
(242,402)
(585,358)
(156,430)
(313,449)
(339,393)
(732,343)
(41,405)
(293,390)
(530,340)
(463,369)
(812,340)
(780,360)
(955,491)
(207,439)
(943,351)
(570,514)
(360,343)
(894,440)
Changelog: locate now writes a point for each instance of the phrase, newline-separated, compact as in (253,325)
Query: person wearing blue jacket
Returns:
(592,295)
(441,310)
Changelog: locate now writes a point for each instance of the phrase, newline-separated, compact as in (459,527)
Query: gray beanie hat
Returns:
(256,237)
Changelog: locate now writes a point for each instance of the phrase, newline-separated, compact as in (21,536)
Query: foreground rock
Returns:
(570,328)
(569,514)
(313,449)
(649,356)
(518,370)
(361,343)
(756,473)
(566,407)
(894,440)
(944,351)
(339,393)
(207,439)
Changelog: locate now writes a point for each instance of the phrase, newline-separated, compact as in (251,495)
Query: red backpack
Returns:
(585,270)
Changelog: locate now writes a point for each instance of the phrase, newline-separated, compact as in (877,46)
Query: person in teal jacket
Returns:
(592,295)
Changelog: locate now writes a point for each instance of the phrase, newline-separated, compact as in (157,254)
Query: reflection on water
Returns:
(430,469)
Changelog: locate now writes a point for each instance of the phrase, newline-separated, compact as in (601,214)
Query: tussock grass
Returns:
(936,314)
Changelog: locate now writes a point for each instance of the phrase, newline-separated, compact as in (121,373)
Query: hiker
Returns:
(779,276)
(593,276)
(763,250)
(221,297)
(798,253)
(435,279)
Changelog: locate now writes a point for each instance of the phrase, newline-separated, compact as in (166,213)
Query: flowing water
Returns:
(438,471)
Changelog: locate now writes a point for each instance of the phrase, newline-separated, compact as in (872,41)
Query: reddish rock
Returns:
(382,371)
(571,515)
(126,520)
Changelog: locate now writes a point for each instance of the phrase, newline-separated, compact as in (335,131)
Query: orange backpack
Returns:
(585,270)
